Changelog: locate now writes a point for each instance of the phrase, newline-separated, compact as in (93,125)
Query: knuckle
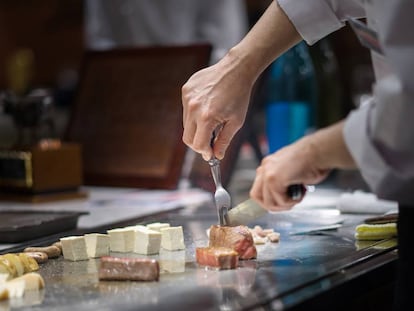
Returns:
(265,161)
(192,105)
(204,117)
(271,178)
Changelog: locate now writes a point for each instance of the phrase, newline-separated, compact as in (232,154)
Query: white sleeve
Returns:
(380,135)
(222,23)
(315,19)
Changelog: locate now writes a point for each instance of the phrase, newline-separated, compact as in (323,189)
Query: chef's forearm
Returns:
(272,35)
(330,150)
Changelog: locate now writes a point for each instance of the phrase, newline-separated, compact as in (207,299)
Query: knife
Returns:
(249,210)
(244,213)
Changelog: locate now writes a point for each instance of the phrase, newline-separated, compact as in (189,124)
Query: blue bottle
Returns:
(291,97)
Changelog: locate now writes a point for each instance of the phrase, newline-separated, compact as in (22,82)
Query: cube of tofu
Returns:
(172,238)
(147,241)
(74,248)
(121,239)
(157,226)
(97,245)
(135,227)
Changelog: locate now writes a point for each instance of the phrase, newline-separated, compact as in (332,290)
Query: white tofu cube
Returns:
(97,245)
(121,240)
(135,227)
(147,241)
(172,238)
(157,226)
(74,248)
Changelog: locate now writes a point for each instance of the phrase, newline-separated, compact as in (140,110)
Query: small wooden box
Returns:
(38,170)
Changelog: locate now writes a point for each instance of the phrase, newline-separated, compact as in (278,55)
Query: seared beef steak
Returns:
(129,269)
(238,238)
(217,257)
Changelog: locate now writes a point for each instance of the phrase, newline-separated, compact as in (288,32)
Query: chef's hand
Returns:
(217,95)
(294,164)
(306,162)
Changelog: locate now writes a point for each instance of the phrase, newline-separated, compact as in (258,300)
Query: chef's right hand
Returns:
(295,164)
(305,162)
(216,95)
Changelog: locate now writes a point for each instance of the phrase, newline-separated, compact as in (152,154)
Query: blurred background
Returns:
(42,45)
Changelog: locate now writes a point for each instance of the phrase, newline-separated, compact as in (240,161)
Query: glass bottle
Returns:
(330,105)
(292,94)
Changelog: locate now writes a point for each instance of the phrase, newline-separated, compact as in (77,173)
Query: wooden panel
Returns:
(56,168)
(52,29)
(128,114)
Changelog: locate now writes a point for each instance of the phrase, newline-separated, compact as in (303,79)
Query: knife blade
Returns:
(317,229)
(249,210)
(244,213)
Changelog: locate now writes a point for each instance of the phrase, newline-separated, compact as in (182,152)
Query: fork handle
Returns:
(215,171)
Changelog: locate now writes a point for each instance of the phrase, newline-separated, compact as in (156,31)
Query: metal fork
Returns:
(221,196)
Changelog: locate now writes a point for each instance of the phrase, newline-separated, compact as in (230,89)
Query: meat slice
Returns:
(217,257)
(238,238)
(128,269)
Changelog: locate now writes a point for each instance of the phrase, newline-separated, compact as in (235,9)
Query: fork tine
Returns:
(223,203)
(221,196)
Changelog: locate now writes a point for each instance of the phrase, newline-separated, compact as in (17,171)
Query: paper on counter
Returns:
(365,203)
(140,203)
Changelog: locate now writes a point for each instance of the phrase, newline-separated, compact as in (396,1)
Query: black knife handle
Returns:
(295,192)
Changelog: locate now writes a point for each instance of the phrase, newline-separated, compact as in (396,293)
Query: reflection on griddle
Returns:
(130,293)
(73,270)
(383,244)
(240,279)
(172,262)
(29,299)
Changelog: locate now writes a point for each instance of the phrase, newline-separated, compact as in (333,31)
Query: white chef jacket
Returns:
(380,134)
(124,23)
